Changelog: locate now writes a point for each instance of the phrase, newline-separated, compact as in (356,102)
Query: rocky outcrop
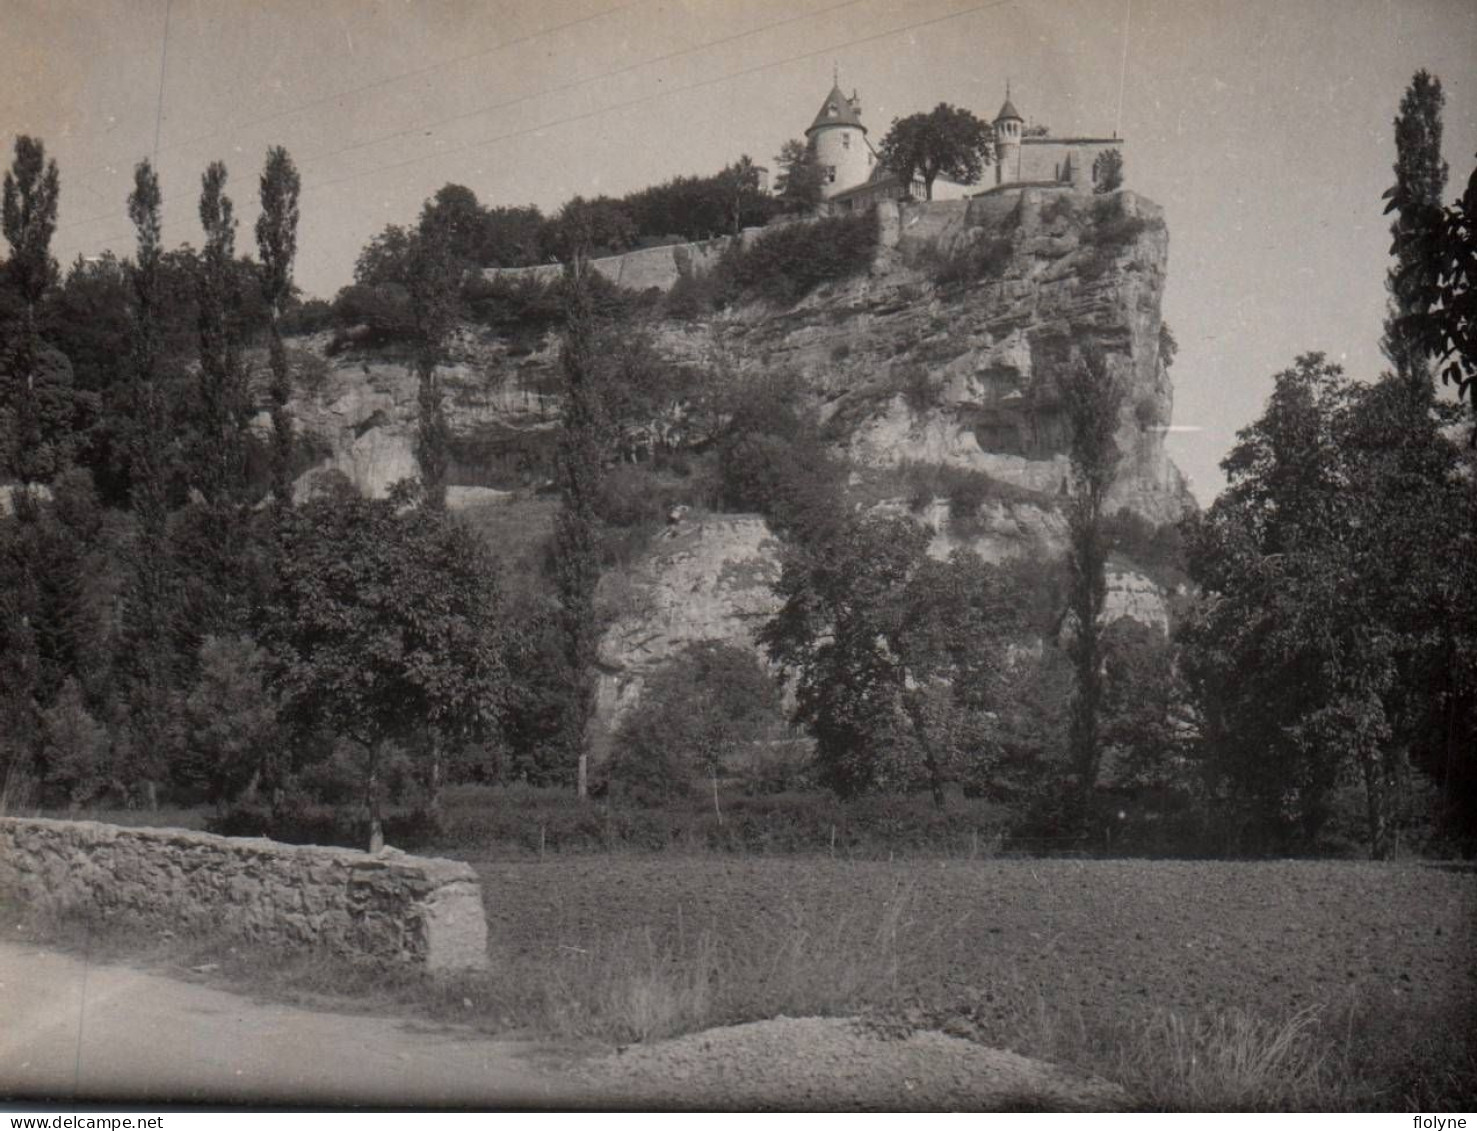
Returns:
(387,907)
(706,578)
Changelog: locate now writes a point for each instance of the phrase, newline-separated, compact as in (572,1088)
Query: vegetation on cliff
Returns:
(1316,689)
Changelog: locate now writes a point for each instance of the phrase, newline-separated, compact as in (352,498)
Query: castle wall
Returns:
(1060,159)
(389,907)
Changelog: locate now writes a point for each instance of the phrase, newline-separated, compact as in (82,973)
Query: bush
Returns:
(702,714)
(384,311)
(785,264)
(984,258)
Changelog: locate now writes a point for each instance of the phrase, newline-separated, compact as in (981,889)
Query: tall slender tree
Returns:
(1415,198)
(146,654)
(37,404)
(1093,400)
(276,241)
(224,409)
(577,528)
(435,286)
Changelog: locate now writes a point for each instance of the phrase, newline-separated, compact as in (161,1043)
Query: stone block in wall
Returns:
(388,907)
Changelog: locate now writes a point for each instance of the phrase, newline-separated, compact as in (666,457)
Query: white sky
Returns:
(1262,126)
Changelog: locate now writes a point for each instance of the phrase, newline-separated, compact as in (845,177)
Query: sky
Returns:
(1263,127)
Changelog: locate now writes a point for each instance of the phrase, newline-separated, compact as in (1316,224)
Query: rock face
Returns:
(388,907)
(950,351)
(707,578)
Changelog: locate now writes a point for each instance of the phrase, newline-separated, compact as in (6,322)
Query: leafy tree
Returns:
(74,746)
(386,628)
(738,185)
(1093,400)
(586,228)
(230,719)
(1107,171)
(1420,182)
(276,241)
(1331,643)
(698,714)
(891,651)
(947,141)
(510,236)
(1441,248)
(801,178)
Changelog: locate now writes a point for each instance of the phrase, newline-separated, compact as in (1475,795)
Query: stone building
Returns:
(855,177)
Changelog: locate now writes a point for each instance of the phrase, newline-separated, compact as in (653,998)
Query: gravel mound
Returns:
(836,1064)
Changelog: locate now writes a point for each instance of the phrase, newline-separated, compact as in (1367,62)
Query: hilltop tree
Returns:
(947,141)
(276,241)
(1093,398)
(1420,182)
(1107,171)
(801,177)
(738,186)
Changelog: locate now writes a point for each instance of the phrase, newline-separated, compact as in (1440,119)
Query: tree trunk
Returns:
(582,786)
(376,828)
(1375,805)
(930,756)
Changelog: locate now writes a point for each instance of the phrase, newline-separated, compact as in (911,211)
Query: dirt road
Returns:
(70,1030)
(77,1031)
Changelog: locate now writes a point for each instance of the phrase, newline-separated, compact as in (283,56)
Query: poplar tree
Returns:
(223,400)
(276,241)
(576,530)
(37,404)
(1093,399)
(434,286)
(1415,198)
(146,654)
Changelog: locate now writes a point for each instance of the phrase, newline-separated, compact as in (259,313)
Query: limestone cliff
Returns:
(949,351)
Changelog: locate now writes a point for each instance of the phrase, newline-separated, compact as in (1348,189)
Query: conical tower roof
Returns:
(837,110)
(1008,112)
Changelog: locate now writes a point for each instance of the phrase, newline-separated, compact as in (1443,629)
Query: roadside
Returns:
(83,1031)
(76,1030)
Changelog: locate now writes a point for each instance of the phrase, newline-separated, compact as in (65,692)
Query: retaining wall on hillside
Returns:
(388,907)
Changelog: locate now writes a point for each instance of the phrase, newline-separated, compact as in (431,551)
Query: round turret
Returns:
(1008,126)
(840,142)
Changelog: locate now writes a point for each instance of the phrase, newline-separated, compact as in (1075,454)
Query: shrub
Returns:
(700,714)
(383,310)
(785,264)
(984,258)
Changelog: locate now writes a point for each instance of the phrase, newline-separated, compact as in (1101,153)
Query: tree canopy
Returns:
(948,141)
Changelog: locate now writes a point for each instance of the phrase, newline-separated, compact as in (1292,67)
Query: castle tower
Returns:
(840,142)
(1008,126)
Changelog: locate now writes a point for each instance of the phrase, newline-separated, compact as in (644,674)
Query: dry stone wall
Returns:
(388,907)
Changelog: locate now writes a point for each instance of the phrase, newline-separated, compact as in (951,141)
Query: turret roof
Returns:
(837,110)
(1008,111)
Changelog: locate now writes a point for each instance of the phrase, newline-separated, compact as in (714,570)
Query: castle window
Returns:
(845,141)
(830,174)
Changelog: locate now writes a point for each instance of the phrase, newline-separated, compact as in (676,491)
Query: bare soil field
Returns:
(1266,937)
